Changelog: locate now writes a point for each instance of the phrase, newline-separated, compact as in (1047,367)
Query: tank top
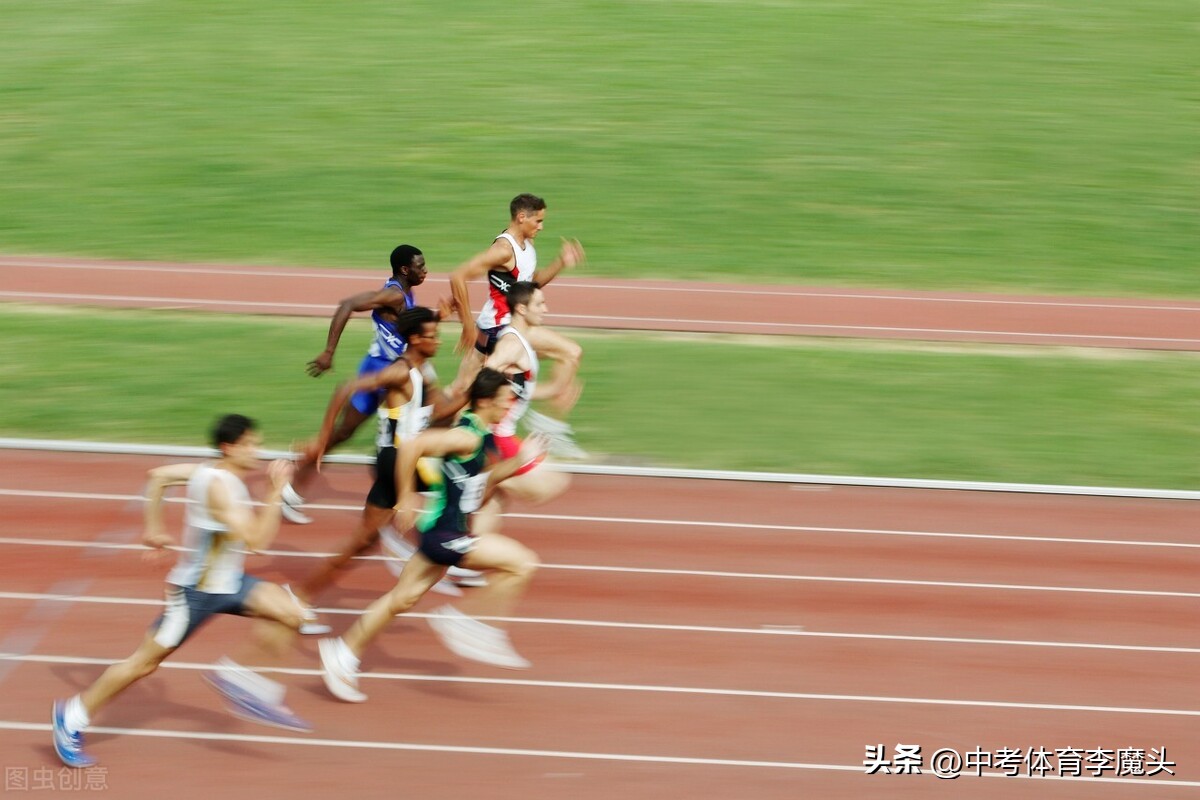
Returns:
(400,423)
(463,483)
(214,560)
(496,311)
(523,384)
(388,343)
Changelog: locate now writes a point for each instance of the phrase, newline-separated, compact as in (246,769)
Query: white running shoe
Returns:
(561,435)
(311,626)
(290,507)
(472,639)
(461,576)
(340,680)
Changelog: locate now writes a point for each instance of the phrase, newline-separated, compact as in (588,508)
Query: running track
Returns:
(710,639)
(647,305)
(699,640)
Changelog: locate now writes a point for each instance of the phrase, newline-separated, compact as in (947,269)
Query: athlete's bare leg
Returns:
(514,566)
(365,534)
(417,577)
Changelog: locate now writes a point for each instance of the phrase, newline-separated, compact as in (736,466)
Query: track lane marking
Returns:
(650,626)
(59,495)
(636,688)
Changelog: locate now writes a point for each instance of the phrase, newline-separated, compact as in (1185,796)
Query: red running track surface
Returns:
(582,301)
(703,639)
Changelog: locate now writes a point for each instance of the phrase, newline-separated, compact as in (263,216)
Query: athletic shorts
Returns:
(188,609)
(508,447)
(444,546)
(367,402)
(485,339)
(383,492)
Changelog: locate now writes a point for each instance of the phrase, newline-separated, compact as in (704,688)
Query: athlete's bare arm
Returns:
(393,377)
(160,478)
(439,443)
(498,256)
(255,530)
(446,402)
(455,441)
(364,301)
(571,255)
(508,356)
(563,389)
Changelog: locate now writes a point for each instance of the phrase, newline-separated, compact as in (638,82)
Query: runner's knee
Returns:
(402,599)
(525,565)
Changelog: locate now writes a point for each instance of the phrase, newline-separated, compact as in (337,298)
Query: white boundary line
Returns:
(349,274)
(564,754)
(634,687)
(179,451)
(668,572)
(723,326)
(680,523)
(648,626)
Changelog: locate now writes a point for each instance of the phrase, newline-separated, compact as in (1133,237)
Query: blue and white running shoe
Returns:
(245,705)
(69,745)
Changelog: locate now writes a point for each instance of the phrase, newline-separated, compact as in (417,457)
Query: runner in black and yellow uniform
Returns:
(411,400)
(470,476)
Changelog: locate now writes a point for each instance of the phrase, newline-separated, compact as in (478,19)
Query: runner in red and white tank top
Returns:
(524,383)
(510,258)
(496,312)
(520,350)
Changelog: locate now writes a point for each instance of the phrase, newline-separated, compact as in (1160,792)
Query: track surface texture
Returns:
(706,639)
(580,301)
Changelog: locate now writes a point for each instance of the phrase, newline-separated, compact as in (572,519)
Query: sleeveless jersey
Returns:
(387,342)
(496,311)
(523,385)
(400,423)
(214,561)
(463,483)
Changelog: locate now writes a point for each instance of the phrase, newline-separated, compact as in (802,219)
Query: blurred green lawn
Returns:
(1039,146)
(780,404)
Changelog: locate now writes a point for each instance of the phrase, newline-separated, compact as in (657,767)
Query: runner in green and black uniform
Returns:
(471,476)
(444,525)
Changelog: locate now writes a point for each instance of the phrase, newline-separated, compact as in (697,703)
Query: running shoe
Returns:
(311,626)
(244,705)
(561,435)
(472,639)
(341,681)
(461,576)
(290,507)
(67,744)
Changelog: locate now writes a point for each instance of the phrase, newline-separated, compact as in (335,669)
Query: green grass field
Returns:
(1042,146)
(791,405)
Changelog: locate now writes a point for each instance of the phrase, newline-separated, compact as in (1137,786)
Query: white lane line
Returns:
(634,687)
(731,526)
(155,733)
(649,626)
(679,288)
(593,318)
(695,573)
(433,748)
(173,301)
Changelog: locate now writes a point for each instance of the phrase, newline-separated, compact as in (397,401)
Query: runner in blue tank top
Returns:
(394,297)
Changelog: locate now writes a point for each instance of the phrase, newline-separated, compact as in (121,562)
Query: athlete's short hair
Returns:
(487,384)
(521,294)
(402,257)
(230,428)
(529,203)
(410,322)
